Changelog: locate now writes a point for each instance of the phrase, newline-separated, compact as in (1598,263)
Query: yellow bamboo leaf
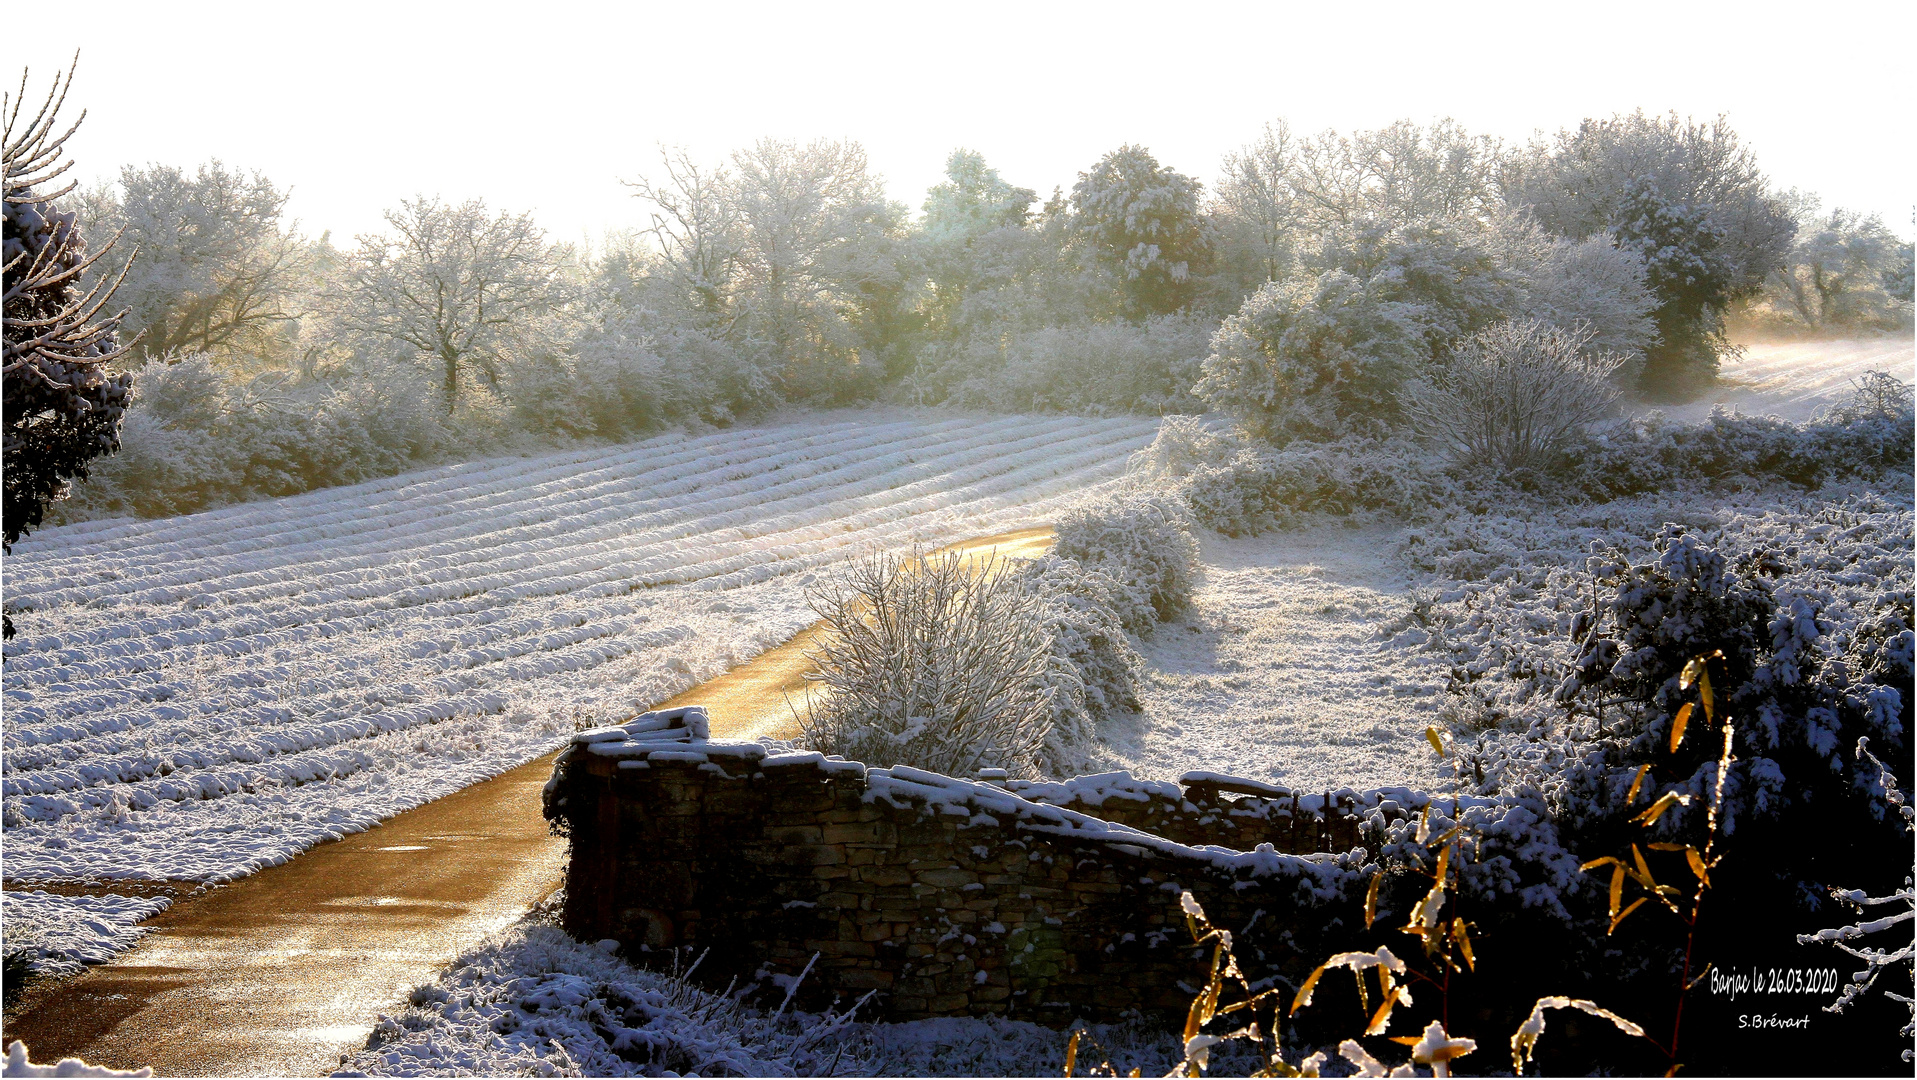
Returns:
(1704,692)
(1382,1018)
(1444,861)
(1689,675)
(1636,782)
(1697,865)
(1664,802)
(1071,1053)
(1678,723)
(1643,874)
(1462,936)
(1668,847)
(1607,860)
(1620,916)
(1617,887)
(1371,899)
(1304,991)
(1408,1040)
(1437,744)
(1364,997)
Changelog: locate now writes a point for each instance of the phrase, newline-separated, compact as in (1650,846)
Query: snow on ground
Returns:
(1279,671)
(534,1002)
(59,934)
(195,698)
(1795,379)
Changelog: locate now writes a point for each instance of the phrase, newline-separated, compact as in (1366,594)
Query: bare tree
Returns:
(62,406)
(460,288)
(1514,394)
(697,229)
(1258,198)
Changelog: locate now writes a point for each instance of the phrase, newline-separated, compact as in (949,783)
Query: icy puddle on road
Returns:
(1278,671)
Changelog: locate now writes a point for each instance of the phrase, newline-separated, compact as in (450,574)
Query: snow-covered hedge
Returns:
(1093,667)
(1143,542)
(1259,487)
(198,436)
(1869,432)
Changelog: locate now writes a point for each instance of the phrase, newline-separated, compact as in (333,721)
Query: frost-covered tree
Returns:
(1398,174)
(696,228)
(1580,285)
(1142,221)
(1840,277)
(819,276)
(791,252)
(973,199)
(218,271)
(1257,211)
(1318,357)
(1688,198)
(62,405)
(455,288)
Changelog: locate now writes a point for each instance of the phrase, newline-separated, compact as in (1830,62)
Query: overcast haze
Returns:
(546,107)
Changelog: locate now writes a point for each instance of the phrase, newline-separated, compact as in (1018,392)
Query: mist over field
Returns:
(1557,486)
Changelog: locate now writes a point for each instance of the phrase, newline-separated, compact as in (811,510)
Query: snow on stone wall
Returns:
(1038,901)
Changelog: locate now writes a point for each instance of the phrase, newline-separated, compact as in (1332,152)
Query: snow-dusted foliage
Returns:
(1861,939)
(931,662)
(1514,395)
(1141,221)
(218,270)
(1860,437)
(202,696)
(1143,542)
(1572,671)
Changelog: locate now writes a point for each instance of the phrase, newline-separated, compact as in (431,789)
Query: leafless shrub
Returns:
(932,663)
(1515,394)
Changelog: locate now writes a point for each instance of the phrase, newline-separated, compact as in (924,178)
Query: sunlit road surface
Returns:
(282,972)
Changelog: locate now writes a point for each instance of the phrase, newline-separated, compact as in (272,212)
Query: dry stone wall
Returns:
(941,896)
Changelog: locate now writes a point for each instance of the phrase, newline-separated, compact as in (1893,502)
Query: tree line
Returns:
(1301,291)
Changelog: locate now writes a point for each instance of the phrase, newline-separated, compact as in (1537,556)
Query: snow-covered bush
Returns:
(1141,541)
(199,435)
(932,663)
(1259,488)
(1513,395)
(1094,668)
(1312,358)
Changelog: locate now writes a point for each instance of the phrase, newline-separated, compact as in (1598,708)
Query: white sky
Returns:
(545,106)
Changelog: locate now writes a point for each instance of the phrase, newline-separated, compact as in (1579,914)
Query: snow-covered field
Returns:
(1795,379)
(1279,672)
(198,697)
